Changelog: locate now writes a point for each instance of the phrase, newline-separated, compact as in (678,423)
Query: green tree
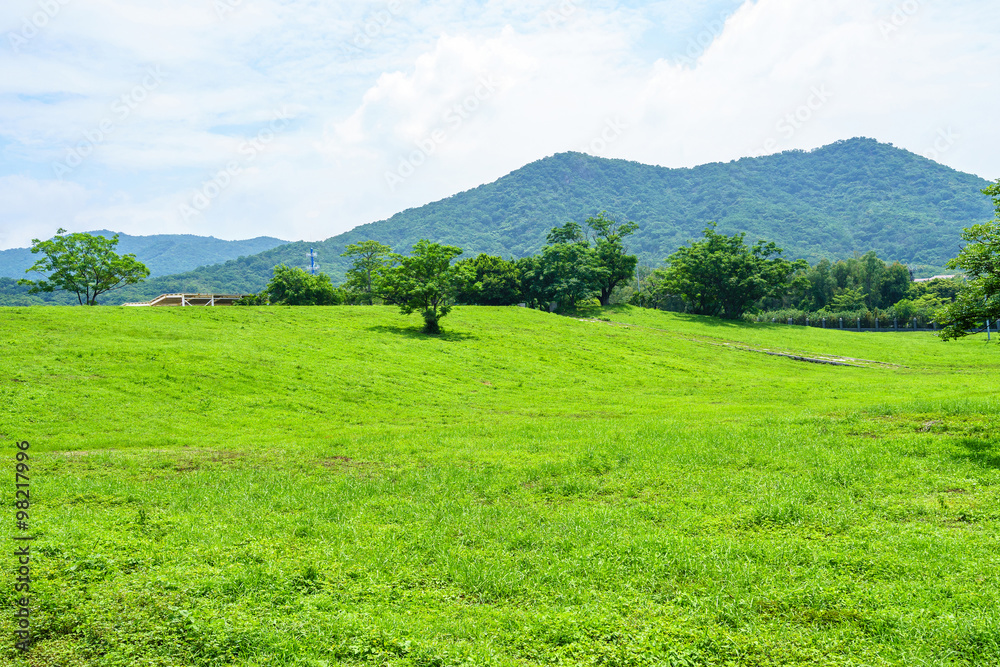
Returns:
(533,292)
(261,298)
(652,293)
(848,299)
(945,289)
(609,247)
(297,287)
(370,259)
(923,307)
(979,298)
(425,282)
(568,270)
(84,264)
(873,272)
(895,284)
(821,286)
(721,275)
(879,284)
(494,282)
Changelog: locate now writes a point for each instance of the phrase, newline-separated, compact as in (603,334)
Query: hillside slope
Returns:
(213,485)
(852,196)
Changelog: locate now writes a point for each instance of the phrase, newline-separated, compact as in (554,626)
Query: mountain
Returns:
(851,196)
(163,254)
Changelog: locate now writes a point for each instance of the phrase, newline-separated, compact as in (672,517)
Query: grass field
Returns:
(327,486)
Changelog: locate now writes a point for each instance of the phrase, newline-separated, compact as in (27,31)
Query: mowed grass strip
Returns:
(321,486)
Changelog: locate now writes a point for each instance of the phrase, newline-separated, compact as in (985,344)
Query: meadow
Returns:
(328,486)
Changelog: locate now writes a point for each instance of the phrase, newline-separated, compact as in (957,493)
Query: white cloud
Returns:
(40,208)
(455,94)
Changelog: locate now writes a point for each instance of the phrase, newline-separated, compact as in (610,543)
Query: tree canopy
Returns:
(721,275)
(368,260)
(862,281)
(425,282)
(84,264)
(616,266)
(494,281)
(979,299)
(567,271)
(297,287)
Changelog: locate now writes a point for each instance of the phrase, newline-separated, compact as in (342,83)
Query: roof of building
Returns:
(925,280)
(186,299)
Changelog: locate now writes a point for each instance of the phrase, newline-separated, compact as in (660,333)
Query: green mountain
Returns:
(164,254)
(851,196)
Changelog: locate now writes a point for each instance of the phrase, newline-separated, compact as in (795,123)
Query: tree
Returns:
(370,258)
(945,289)
(609,235)
(261,298)
(822,286)
(848,299)
(721,275)
(84,264)
(533,292)
(297,287)
(650,292)
(979,298)
(568,270)
(425,281)
(494,282)
(896,284)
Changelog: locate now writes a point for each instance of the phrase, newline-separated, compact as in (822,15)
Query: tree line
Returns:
(578,263)
(718,275)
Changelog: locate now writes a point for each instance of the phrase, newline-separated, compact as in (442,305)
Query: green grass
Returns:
(327,486)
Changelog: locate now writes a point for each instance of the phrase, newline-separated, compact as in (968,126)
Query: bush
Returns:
(903,316)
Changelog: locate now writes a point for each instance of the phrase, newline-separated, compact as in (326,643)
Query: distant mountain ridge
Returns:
(163,254)
(851,196)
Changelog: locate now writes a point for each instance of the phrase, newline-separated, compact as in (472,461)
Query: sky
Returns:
(301,119)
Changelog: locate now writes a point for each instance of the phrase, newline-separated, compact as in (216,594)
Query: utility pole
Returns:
(986,302)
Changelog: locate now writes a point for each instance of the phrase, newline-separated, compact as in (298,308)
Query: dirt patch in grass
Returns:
(91,452)
(198,458)
(344,462)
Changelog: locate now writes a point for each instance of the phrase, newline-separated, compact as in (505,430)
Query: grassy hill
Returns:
(321,486)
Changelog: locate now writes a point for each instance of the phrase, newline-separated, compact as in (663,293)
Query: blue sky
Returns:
(301,119)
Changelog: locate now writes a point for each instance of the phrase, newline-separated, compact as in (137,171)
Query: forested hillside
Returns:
(853,196)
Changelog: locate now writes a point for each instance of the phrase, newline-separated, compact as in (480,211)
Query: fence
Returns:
(872,324)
